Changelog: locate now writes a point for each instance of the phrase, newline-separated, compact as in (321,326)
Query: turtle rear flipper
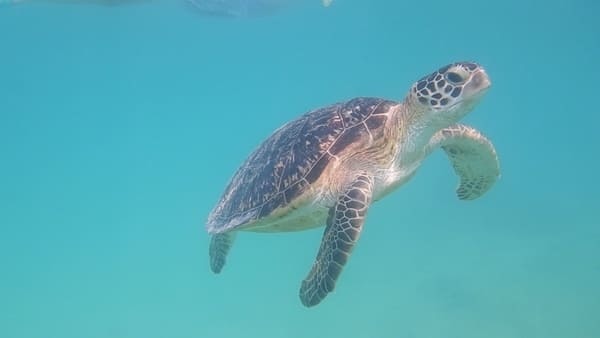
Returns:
(344,225)
(220,244)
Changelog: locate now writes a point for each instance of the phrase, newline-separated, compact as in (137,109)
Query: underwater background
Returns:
(120,126)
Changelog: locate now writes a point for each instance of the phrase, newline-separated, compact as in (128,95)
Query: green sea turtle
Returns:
(330,164)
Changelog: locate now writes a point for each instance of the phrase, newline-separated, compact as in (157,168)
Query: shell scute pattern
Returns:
(357,110)
(285,164)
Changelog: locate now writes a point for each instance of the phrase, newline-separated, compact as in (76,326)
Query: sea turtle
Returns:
(330,164)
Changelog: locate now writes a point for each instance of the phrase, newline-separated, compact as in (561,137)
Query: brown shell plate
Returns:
(292,158)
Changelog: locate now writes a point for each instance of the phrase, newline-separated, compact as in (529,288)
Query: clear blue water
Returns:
(120,126)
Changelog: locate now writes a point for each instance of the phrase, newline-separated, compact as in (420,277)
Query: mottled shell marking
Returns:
(293,157)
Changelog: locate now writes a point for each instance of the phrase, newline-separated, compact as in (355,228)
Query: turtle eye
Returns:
(454,78)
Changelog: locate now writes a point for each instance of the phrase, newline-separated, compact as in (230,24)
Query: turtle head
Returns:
(450,92)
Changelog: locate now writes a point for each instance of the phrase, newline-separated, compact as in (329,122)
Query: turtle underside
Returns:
(284,166)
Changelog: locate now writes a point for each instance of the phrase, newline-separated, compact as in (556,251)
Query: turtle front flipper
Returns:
(473,158)
(218,250)
(344,225)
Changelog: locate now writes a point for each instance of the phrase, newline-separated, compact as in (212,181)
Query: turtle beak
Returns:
(478,84)
(481,80)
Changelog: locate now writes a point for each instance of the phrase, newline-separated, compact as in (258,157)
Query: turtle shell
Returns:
(282,168)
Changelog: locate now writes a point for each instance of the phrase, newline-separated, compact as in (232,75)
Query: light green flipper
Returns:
(344,225)
(473,158)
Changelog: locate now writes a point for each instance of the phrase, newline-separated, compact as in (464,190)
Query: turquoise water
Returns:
(120,126)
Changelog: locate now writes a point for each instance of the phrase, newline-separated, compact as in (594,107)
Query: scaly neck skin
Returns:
(416,128)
